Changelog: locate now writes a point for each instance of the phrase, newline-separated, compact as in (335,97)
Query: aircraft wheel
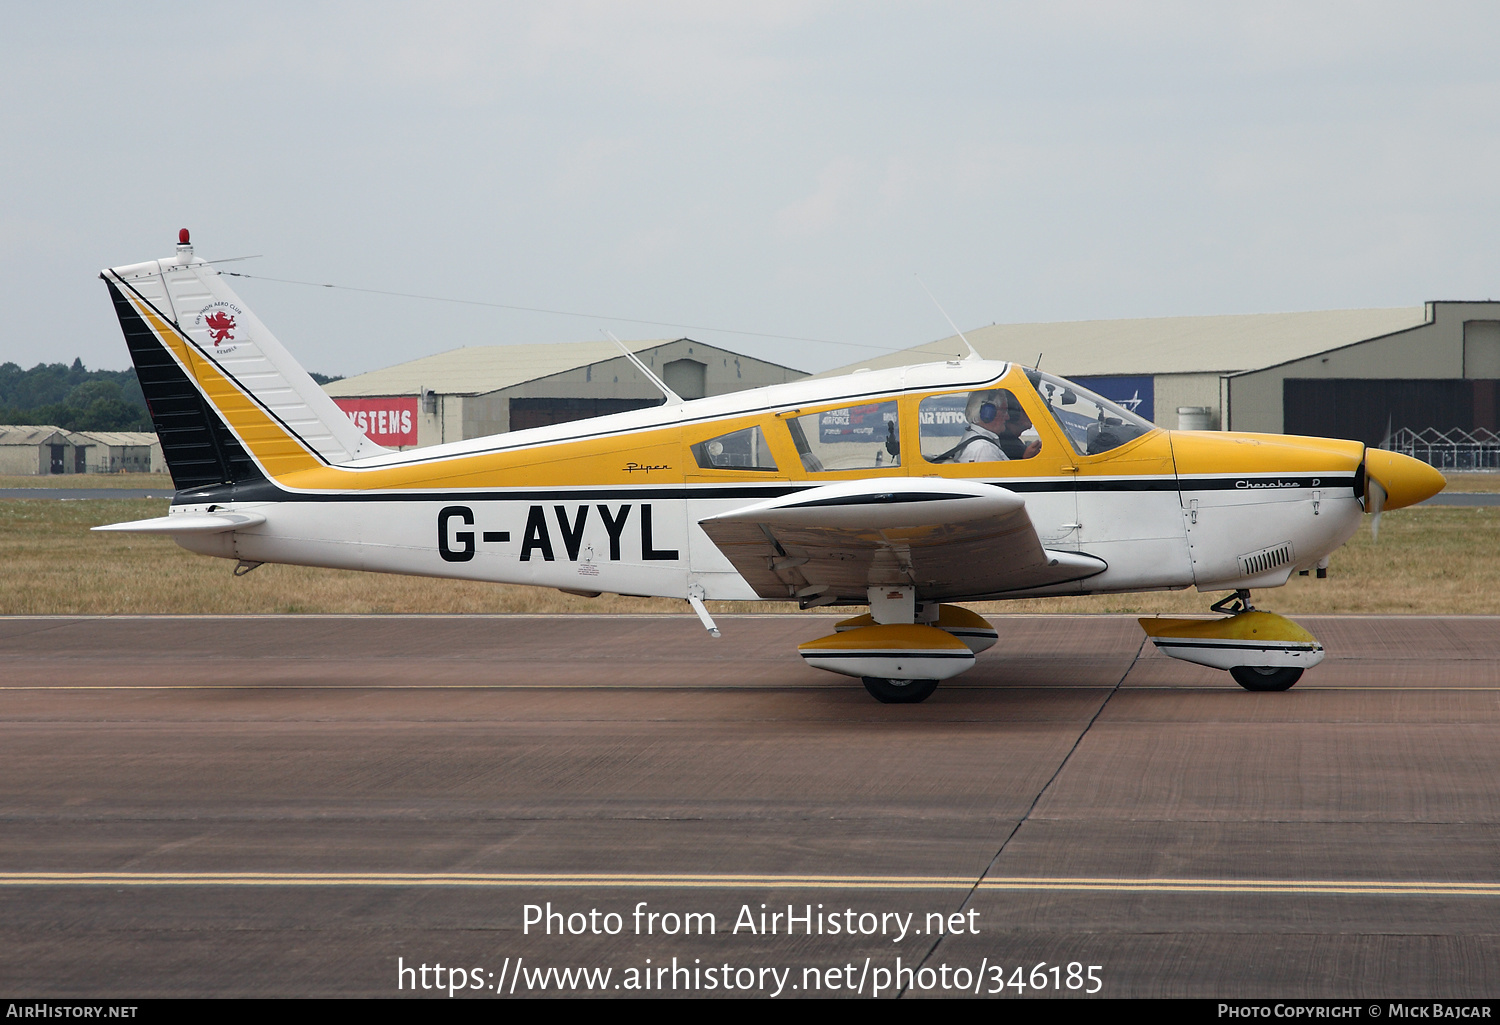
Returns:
(899,692)
(1266,677)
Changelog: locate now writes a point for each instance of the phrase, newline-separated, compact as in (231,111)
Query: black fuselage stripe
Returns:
(269,492)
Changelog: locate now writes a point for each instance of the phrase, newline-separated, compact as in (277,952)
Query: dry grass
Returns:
(54,565)
(1472,482)
(1438,560)
(133,481)
(1435,560)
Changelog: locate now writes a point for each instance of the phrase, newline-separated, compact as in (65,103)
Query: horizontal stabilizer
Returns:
(189,523)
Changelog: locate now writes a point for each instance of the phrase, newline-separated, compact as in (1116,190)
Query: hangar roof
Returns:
(1165,345)
(117,439)
(30,434)
(478,369)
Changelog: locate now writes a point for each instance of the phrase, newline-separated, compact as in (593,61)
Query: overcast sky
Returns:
(788,169)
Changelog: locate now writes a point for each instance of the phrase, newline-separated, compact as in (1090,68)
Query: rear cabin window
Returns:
(864,437)
(740,450)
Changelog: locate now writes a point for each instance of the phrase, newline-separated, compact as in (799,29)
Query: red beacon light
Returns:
(182,237)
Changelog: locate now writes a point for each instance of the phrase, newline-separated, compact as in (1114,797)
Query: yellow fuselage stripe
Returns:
(603,461)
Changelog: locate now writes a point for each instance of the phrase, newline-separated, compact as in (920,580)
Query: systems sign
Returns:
(391,422)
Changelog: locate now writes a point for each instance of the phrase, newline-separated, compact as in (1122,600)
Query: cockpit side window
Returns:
(988,426)
(864,437)
(1092,424)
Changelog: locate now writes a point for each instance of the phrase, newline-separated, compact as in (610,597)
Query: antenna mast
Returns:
(973,353)
(673,399)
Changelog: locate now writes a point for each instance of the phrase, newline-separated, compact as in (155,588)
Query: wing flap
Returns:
(949,539)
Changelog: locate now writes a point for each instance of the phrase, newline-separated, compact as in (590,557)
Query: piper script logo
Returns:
(222,321)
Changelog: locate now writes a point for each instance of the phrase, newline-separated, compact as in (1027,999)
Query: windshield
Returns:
(1092,423)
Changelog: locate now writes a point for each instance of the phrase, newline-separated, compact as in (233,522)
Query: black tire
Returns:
(899,692)
(1266,677)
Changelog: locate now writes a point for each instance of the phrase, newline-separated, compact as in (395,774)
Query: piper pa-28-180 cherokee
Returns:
(902,490)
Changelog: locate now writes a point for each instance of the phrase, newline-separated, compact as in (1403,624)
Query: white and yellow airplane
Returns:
(902,490)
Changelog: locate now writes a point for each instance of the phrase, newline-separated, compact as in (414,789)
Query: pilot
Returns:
(986,413)
(993,432)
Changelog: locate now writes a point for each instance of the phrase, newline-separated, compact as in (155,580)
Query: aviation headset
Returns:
(989,409)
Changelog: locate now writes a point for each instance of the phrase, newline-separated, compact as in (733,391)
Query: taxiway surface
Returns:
(304,805)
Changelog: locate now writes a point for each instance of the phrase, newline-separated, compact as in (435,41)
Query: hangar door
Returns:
(1361,409)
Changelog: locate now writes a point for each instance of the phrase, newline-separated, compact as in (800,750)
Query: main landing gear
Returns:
(898,692)
(901,649)
(1261,650)
(1265,677)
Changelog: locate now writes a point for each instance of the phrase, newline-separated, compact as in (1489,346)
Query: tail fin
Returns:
(229,403)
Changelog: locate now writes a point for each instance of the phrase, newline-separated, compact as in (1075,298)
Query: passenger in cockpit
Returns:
(1016,424)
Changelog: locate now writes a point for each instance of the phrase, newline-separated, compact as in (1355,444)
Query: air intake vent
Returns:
(1256,563)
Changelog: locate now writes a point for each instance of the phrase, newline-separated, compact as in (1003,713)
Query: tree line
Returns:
(72,397)
(77,399)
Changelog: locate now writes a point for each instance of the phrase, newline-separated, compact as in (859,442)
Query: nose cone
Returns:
(1407,481)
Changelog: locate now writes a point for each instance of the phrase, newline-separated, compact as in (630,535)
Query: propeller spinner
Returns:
(1395,481)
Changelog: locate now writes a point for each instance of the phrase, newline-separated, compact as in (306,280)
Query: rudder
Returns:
(228,401)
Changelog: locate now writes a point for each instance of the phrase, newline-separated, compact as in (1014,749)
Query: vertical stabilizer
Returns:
(229,356)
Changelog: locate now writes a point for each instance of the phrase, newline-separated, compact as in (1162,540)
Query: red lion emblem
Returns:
(221,326)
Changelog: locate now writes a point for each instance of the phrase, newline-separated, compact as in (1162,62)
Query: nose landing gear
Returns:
(1261,650)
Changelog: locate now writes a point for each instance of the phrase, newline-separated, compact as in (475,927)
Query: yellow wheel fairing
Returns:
(898,651)
(1254,625)
(1248,639)
(966,625)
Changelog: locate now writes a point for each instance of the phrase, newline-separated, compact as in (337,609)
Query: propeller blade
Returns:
(1375,495)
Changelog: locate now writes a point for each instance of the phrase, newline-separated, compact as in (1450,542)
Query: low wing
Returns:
(949,539)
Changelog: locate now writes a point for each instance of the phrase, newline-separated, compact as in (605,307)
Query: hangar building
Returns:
(489,389)
(120,451)
(46,450)
(1335,373)
(32,449)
